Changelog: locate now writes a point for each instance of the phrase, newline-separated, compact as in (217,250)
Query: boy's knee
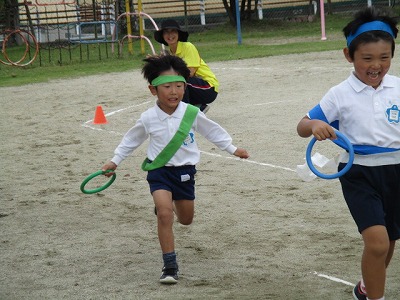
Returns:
(376,241)
(165,216)
(185,220)
(378,247)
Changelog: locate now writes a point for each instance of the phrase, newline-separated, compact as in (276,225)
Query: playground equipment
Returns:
(31,47)
(140,36)
(65,25)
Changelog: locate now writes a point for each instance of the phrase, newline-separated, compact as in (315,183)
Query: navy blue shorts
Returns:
(178,180)
(373,196)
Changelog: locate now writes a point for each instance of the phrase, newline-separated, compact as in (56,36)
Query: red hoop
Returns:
(27,46)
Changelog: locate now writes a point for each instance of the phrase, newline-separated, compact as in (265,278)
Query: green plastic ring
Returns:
(99,189)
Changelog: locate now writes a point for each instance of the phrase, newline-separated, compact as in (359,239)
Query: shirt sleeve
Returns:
(214,133)
(326,110)
(131,141)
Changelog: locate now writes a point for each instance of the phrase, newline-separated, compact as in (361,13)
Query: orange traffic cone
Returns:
(99,117)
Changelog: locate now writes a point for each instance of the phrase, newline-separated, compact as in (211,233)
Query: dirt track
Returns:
(259,231)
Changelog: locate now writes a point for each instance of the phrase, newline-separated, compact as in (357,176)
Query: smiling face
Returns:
(169,94)
(371,61)
(171,36)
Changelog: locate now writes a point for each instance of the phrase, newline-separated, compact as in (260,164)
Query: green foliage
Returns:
(259,39)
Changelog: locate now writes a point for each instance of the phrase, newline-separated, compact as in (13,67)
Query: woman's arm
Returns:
(192,71)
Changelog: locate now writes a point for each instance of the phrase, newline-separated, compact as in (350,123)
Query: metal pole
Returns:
(128,26)
(141,30)
(238,29)
(202,12)
(322,13)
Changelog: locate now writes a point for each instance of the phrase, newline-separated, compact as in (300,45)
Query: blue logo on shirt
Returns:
(393,114)
(189,139)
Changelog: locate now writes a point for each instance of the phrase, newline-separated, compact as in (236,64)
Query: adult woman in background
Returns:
(202,86)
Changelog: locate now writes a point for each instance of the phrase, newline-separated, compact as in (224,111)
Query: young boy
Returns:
(365,108)
(172,185)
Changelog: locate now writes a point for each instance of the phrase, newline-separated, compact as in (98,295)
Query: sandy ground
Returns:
(260,232)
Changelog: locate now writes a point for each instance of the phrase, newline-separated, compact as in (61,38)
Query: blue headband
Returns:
(370,26)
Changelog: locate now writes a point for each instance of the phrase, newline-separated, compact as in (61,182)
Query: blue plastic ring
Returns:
(350,149)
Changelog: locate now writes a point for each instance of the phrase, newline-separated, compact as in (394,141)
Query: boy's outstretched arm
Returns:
(242,153)
(320,129)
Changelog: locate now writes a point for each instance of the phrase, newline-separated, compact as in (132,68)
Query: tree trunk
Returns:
(11,14)
(244,13)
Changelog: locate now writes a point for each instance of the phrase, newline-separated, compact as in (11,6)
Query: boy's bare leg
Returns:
(165,207)
(373,263)
(165,219)
(184,210)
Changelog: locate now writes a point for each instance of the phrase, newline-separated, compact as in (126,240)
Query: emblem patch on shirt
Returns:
(393,114)
(189,139)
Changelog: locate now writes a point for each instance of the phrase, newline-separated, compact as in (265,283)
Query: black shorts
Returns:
(178,180)
(199,91)
(373,196)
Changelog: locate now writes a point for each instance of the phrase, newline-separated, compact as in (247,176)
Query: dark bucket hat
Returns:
(170,24)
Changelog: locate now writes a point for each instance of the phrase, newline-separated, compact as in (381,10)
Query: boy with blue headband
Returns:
(171,173)
(365,108)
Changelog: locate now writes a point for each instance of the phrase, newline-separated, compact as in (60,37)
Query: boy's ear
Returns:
(153,90)
(347,54)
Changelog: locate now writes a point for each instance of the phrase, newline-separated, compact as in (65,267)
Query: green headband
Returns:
(166,79)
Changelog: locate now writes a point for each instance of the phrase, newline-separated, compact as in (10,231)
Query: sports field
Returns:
(260,232)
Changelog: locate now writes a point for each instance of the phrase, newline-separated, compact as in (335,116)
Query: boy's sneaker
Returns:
(169,275)
(358,294)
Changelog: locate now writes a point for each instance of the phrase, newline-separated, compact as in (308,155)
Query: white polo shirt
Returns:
(369,117)
(160,127)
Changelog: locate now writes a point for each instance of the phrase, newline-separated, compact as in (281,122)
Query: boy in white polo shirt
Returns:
(171,173)
(365,108)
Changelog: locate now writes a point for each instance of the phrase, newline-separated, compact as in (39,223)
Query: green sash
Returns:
(175,143)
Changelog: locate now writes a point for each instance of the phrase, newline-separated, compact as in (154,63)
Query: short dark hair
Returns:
(157,64)
(367,15)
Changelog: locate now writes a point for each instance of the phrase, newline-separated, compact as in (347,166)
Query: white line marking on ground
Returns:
(239,68)
(249,161)
(333,279)
(266,103)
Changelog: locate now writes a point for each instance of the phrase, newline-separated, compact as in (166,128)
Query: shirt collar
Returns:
(388,81)
(178,48)
(358,85)
(178,113)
